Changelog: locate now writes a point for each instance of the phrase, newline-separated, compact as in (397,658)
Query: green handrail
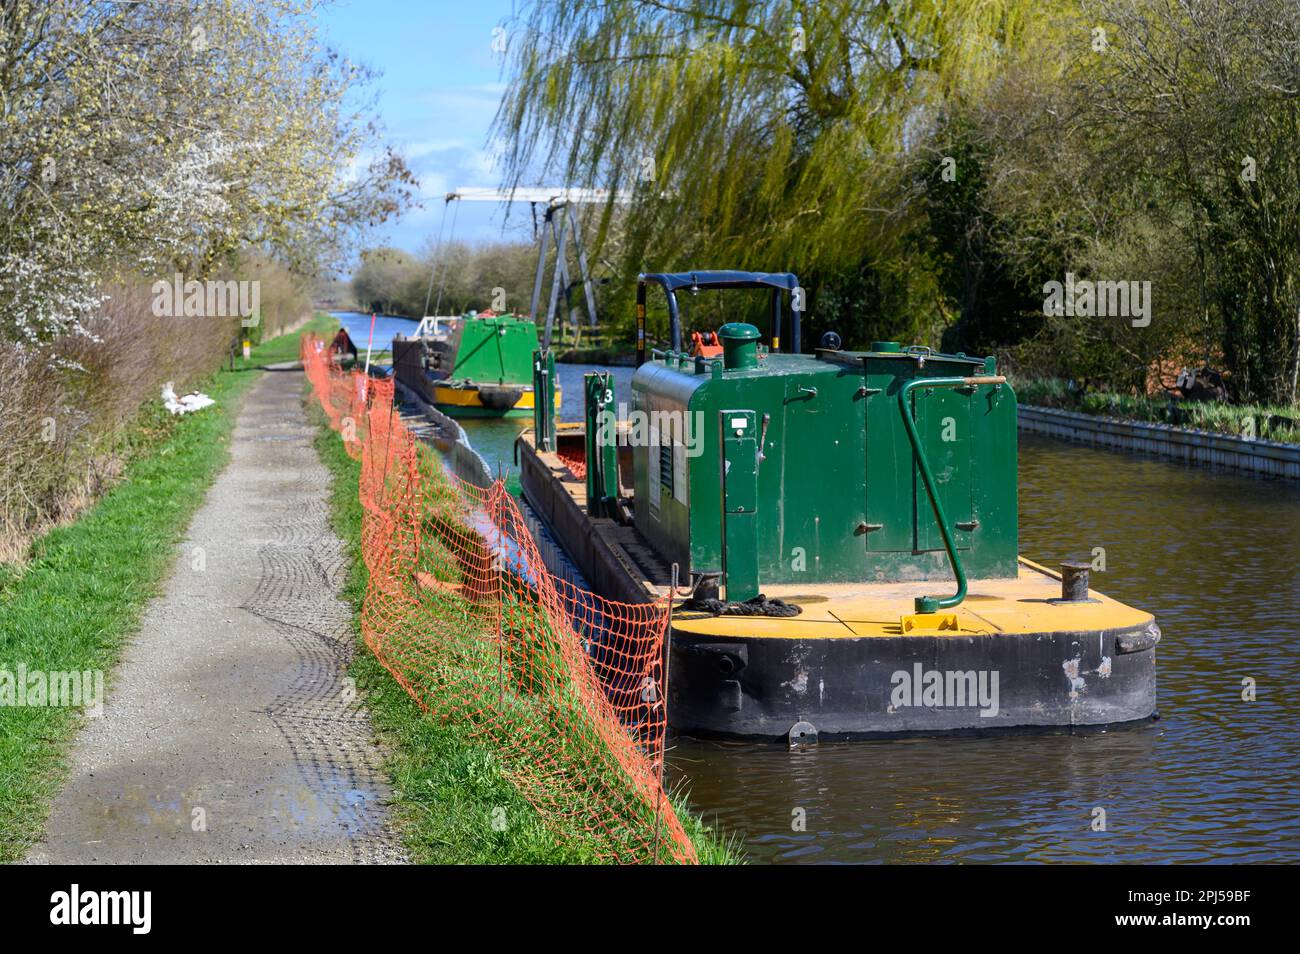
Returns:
(932,604)
(544,399)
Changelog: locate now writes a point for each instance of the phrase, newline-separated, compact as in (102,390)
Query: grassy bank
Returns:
(612,356)
(285,347)
(1269,422)
(446,788)
(84,587)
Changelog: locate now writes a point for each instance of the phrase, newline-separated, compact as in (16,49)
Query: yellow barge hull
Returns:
(485,400)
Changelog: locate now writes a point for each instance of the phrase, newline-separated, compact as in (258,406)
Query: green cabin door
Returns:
(890,522)
(740,437)
(819,530)
(944,423)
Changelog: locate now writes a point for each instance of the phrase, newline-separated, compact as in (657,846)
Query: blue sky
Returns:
(438,91)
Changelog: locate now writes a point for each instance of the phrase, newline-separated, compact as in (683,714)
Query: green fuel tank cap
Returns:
(739,345)
(887,347)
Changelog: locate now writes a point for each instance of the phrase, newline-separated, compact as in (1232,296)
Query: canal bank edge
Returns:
(1204,448)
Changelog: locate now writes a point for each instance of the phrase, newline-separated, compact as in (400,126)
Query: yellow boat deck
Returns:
(1027,604)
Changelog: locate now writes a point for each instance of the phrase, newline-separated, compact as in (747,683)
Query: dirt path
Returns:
(231,710)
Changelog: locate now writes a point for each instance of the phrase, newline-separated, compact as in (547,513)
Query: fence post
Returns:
(498,488)
(663,698)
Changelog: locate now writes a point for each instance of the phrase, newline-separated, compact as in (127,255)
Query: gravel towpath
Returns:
(230,731)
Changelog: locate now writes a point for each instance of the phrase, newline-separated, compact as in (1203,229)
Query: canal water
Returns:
(358,328)
(1215,557)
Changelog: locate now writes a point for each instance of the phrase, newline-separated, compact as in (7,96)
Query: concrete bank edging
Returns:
(450,438)
(1190,445)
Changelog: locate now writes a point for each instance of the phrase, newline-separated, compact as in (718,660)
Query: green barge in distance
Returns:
(874,491)
(479,365)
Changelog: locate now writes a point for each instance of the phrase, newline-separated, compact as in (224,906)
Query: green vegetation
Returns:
(1269,422)
(448,788)
(611,354)
(766,135)
(927,168)
(285,347)
(83,588)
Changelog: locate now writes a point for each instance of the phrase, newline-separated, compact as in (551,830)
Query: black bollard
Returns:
(706,587)
(1074,582)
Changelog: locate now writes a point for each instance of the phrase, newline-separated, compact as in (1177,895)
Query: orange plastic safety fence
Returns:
(563,685)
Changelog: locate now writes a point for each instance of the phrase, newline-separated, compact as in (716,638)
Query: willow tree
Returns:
(750,133)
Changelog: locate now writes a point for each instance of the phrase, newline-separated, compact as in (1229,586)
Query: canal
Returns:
(1212,555)
(358,329)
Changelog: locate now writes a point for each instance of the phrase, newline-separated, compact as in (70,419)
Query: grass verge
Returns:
(285,347)
(1270,422)
(613,355)
(71,606)
(447,790)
